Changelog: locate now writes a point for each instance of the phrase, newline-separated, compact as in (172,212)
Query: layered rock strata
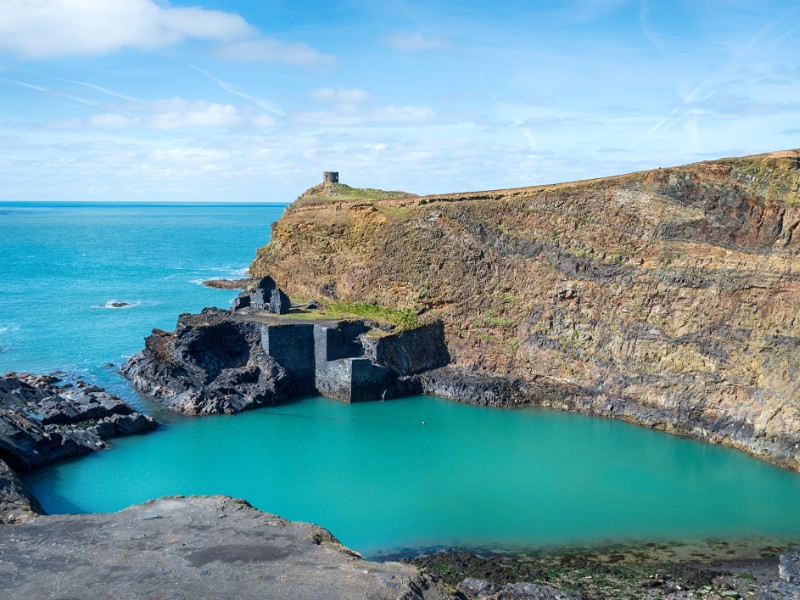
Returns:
(667,298)
(43,419)
(226,361)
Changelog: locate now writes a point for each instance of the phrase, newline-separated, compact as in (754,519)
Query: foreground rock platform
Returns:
(193,548)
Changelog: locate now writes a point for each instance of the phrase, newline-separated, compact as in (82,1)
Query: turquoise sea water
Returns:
(383,476)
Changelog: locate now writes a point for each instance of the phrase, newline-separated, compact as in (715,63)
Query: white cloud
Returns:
(110,121)
(168,115)
(348,115)
(413,42)
(49,28)
(271,50)
(177,113)
(341,95)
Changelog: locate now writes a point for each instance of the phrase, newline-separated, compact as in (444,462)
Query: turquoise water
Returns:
(372,473)
(61,264)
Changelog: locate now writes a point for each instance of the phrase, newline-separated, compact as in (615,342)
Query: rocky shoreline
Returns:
(215,546)
(44,419)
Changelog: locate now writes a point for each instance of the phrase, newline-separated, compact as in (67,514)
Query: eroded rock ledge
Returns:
(44,419)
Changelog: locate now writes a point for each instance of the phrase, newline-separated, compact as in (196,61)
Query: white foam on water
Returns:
(114,304)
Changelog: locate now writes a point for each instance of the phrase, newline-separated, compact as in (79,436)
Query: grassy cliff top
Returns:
(772,175)
(339,191)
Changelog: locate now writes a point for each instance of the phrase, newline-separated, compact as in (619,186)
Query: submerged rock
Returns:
(196,547)
(41,422)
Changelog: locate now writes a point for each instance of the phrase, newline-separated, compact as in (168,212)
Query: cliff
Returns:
(668,298)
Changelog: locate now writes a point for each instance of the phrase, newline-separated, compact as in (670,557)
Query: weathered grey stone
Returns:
(41,423)
(241,301)
(17,504)
(279,302)
(409,352)
(352,380)
(180,549)
(333,342)
(479,589)
(789,568)
(292,345)
(223,361)
(259,299)
(212,364)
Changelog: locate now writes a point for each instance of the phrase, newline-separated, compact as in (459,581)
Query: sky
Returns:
(251,100)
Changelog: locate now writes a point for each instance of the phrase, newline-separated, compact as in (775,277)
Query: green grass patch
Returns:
(340,191)
(394,212)
(337,309)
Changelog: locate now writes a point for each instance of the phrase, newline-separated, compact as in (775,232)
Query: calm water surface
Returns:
(373,473)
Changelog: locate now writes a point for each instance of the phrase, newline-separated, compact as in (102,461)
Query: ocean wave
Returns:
(117,304)
(230,271)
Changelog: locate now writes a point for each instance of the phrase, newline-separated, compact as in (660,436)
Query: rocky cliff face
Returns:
(668,298)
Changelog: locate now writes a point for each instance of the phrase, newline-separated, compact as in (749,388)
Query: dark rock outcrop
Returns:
(210,364)
(479,589)
(409,352)
(228,284)
(17,504)
(196,547)
(41,422)
(227,361)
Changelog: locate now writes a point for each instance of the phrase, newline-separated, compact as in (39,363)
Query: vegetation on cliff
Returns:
(667,297)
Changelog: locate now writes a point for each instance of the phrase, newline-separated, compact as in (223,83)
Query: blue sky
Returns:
(251,100)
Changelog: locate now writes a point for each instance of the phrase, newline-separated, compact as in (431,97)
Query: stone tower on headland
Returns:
(330,177)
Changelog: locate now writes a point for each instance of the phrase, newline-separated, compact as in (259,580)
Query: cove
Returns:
(423,472)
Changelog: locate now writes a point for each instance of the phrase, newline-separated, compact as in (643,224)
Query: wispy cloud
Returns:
(707,88)
(49,92)
(351,116)
(262,104)
(340,95)
(169,115)
(413,42)
(646,24)
(270,50)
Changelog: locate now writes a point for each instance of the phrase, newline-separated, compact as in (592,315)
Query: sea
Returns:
(386,478)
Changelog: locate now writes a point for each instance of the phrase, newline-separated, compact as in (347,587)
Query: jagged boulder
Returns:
(41,422)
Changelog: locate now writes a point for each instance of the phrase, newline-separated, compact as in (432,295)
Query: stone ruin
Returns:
(336,358)
(330,177)
(265,296)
